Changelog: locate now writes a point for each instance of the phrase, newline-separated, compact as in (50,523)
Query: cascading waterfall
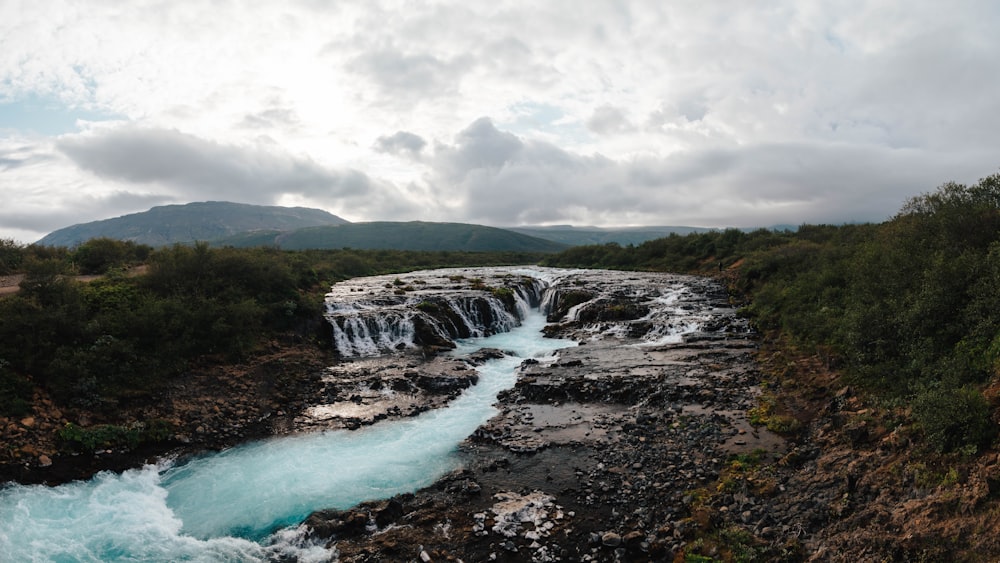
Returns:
(372,334)
(669,320)
(384,317)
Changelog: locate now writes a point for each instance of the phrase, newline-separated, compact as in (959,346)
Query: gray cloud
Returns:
(407,76)
(6,163)
(19,156)
(607,120)
(83,209)
(200,168)
(505,180)
(482,146)
(270,118)
(401,143)
(189,168)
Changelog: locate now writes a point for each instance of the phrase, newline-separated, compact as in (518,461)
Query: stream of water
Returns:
(245,504)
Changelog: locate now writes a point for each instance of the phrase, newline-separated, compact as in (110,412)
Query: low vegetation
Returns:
(117,339)
(908,310)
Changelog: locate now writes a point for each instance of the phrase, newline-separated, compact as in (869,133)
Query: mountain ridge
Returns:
(393,235)
(224,223)
(184,223)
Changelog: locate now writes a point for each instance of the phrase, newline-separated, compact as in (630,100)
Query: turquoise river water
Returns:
(246,504)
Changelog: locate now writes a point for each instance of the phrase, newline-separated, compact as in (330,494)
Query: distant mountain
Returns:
(416,235)
(576,236)
(295,228)
(203,221)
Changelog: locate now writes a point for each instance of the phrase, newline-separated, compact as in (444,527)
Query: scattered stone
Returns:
(611,539)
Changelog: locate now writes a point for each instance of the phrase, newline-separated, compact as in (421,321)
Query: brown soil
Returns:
(10,284)
(862,485)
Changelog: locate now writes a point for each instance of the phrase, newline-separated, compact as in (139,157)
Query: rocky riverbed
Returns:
(605,454)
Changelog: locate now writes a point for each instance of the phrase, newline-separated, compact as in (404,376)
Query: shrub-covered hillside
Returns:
(107,341)
(909,309)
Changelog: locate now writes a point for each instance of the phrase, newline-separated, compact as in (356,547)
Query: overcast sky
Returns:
(714,114)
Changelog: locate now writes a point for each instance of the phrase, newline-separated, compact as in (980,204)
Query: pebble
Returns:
(611,539)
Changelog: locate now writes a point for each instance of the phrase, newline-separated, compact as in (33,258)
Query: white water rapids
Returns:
(228,506)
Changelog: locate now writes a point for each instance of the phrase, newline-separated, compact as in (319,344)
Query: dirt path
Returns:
(10,284)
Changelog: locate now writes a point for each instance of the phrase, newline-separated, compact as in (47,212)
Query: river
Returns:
(245,504)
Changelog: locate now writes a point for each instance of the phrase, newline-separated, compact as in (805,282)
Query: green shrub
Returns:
(113,436)
(428,307)
(954,419)
(502,292)
(11,255)
(99,255)
(15,392)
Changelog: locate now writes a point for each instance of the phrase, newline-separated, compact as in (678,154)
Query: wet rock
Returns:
(387,512)
(444,383)
(337,523)
(611,539)
(485,354)
(633,539)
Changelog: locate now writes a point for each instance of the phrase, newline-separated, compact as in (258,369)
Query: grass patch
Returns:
(764,414)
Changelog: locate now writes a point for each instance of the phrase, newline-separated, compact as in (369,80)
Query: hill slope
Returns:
(576,236)
(415,235)
(208,220)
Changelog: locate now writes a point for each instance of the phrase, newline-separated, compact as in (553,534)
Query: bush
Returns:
(15,393)
(104,436)
(99,255)
(11,256)
(954,419)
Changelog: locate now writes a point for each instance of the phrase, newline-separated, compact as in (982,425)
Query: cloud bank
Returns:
(626,113)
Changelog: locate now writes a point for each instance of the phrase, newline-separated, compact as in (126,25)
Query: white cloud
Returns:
(625,112)
(401,143)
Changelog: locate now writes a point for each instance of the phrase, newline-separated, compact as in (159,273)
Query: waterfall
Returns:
(421,309)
